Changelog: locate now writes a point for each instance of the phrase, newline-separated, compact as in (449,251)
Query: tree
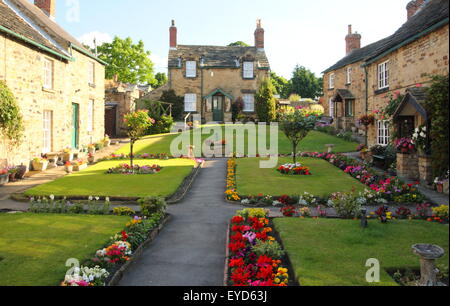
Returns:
(282,86)
(137,124)
(129,61)
(265,102)
(296,126)
(169,96)
(11,120)
(160,80)
(238,44)
(305,83)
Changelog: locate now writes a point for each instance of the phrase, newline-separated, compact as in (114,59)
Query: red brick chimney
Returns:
(47,6)
(259,35)
(173,36)
(352,40)
(413,7)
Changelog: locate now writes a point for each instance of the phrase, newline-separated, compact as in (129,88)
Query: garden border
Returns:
(118,275)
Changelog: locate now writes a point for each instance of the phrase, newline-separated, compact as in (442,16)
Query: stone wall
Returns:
(426,170)
(408,166)
(22,69)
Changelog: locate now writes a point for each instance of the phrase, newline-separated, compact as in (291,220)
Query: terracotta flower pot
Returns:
(69,169)
(440,188)
(21,170)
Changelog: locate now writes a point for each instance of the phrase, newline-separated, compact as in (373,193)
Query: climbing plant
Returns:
(438,110)
(11,122)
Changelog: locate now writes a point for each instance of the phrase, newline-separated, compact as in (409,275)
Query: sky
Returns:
(303,32)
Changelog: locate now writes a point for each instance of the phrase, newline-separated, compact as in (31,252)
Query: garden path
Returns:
(190,250)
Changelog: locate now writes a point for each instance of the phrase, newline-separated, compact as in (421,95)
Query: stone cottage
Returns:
(211,78)
(360,83)
(59,85)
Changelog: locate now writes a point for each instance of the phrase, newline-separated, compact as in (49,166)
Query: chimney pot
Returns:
(47,6)
(413,7)
(259,35)
(352,40)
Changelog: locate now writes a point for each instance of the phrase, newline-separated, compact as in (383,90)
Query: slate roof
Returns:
(416,96)
(57,38)
(345,94)
(218,56)
(432,14)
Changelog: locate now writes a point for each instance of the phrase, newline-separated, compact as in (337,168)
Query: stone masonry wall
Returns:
(408,166)
(22,69)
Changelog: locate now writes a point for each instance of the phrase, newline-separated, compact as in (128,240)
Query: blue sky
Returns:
(309,33)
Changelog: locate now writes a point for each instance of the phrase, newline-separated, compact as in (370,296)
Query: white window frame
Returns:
(49,66)
(249,103)
(47,131)
(332,106)
(191,69)
(383,75)
(351,113)
(248,70)
(91,73)
(90,115)
(349,75)
(190,103)
(383,132)
(331,80)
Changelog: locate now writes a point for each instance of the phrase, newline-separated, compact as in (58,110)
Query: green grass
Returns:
(327,252)
(35,248)
(314,142)
(326,179)
(94,182)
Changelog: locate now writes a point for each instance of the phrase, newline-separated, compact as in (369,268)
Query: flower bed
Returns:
(161,156)
(231,192)
(136,169)
(294,169)
(255,257)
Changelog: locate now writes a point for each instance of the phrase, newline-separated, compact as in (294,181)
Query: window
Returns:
(90,119)
(249,103)
(48,73)
(383,75)
(248,70)
(190,103)
(191,69)
(349,108)
(332,108)
(47,130)
(383,134)
(331,81)
(349,75)
(91,73)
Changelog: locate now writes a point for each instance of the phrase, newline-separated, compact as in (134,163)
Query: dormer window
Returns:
(249,70)
(191,69)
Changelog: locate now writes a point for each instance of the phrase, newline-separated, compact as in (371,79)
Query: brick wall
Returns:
(22,69)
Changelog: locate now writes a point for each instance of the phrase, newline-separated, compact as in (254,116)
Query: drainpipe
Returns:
(367,100)
(201,95)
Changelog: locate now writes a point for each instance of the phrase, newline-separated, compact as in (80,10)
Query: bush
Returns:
(169,96)
(268,248)
(265,102)
(123,211)
(347,205)
(252,212)
(152,205)
(162,125)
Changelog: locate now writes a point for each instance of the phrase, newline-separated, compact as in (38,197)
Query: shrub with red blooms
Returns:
(246,268)
(288,211)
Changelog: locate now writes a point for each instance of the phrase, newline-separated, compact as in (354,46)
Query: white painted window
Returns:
(90,119)
(331,81)
(91,73)
(48,73)
(190,102)
(383,75)
(47,131)
(191,69)
(349,75)
(249,103)
(349,108)
(383,133)
(332,107)
(248,70)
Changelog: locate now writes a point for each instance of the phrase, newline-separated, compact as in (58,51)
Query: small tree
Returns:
(137,124)
(236,108)
(11,120)
(265,102)
(296,126)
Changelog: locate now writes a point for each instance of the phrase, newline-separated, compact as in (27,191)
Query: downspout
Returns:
(367,102)
(201,95)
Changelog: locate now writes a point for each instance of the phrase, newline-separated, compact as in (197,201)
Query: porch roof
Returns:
(415,97)
(342,95)
(219,90)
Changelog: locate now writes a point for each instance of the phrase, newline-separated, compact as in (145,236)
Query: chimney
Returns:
(47,6)
(352,40)
(259,35)
(413,7)
(173,36)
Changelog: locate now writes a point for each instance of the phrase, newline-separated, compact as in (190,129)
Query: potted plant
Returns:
(106,141)
(40,164)
(404,145)
(4,177)
(67,155)
(79,165)
(68,167)
(91,148)
(21,170)
(439,185)
(91,158)
(12,174)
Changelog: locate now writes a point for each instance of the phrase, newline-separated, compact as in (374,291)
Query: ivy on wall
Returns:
(11,122)
(438,110)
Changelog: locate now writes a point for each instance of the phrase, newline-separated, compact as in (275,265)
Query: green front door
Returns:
(75,124)
(217,108)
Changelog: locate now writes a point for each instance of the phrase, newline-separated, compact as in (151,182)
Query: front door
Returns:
(75,124)
(110,121)
(217,108)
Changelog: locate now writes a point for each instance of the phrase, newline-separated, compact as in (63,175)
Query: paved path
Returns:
(190,250)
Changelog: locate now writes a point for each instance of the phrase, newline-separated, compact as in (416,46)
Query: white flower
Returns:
(52,197)
(90,198)
(97,198)
(107,199)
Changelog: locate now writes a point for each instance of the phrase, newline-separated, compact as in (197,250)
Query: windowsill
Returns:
(348,84)
(92,85)
(329,89)
(52,91)
(381,91)
(249,79)
(248,112)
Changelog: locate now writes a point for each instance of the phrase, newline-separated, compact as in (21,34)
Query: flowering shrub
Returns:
(136,169)
(86,277)
(403,212)
(440,214)
(366,120)
(404,145)
(294,169)
(423,211)
(288,211)
(250,263)
(419,139)
(231,192)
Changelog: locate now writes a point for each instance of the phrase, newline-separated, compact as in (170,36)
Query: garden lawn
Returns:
(94,181)
(314,142)
(34,248)
(333,252)
(325,179)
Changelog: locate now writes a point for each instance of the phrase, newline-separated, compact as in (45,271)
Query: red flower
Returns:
(237,220)
(236,263)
